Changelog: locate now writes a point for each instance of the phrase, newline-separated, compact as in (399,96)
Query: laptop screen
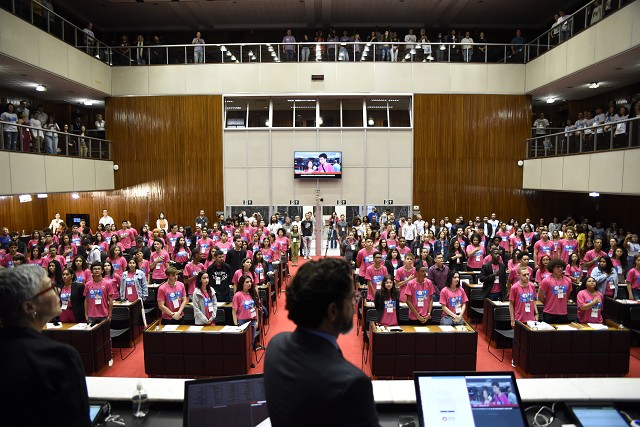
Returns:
(230,401)
(462,399)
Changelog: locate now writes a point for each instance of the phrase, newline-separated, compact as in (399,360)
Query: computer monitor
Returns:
(464,399)
(237,401)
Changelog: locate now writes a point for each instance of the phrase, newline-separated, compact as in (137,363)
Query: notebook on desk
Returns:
(237,401)
(464,399)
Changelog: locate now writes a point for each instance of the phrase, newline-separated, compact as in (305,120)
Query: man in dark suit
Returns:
(493,276)
(307,381)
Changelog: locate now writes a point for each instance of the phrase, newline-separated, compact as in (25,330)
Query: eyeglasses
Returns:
(52,287)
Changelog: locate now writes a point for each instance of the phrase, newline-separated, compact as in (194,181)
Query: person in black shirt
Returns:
(236,254)
(307,232)
(220,274)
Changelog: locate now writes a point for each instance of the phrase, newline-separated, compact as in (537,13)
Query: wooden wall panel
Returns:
(466,149)
(169,150)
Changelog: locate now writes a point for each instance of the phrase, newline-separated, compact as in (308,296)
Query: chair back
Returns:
(372,316)
(468,277)
(475,294)
(634,313)
(403,314)
(501,314)
(623,293)
(436,315)
(189,318)
(120,314)
(220,317)
(572,313)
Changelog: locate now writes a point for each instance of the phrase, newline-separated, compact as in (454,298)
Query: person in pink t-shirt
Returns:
(633,278)
(522,299)
(375,275)
(172,237)
(542,272)
(387,303)
(323,166)
(52,255)
(504,236)
(453,300)
(542,247)
(117,260)
(554,292)
(590,303)
(158,262)
(246,305)
(405,274)
(191,270)
(419,294)
(172,298)
(205,243)
(574,269)
(590,260)
(475,253)
(364,259)
(224,245)
(99,295)
(568,245)
(80,270)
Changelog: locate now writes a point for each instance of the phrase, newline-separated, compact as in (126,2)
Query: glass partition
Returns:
(259,113)
(329,112)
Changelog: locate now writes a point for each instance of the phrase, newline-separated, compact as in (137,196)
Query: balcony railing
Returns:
(29,139)
(609,136)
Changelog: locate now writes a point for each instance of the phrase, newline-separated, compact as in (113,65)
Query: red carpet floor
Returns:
(350,344)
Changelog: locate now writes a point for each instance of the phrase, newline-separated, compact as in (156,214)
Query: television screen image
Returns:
(317,164)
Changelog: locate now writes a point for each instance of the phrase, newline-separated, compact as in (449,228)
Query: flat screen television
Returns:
(317,164)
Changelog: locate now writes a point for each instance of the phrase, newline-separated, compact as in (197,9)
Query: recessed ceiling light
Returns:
(594,194)
(41,88)
(551,100)
(594,85)
(87,102)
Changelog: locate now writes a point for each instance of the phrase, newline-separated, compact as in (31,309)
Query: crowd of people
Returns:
(598,129)
(40,132)
(396,259)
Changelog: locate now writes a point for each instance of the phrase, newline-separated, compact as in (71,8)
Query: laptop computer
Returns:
(463,399)
(237,401)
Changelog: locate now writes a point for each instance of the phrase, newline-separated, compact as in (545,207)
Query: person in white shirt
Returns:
(409,39)
(55,223)
(494,224)
(37,136)
(409,232)
(541,124)
(106,219)
(467,47)
(565,25)
(620,134)
(100,126)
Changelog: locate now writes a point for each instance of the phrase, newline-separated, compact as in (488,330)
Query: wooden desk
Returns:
(398,354)
(135,325)
(618,311)
(581,351)
(93,344)
(204,353)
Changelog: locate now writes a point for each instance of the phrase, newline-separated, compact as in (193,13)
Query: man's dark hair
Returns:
(316,285)
(322,156)
(554,263)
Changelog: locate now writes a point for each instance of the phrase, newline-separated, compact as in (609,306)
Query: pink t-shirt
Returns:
(119,264)
(389,316)
(590,256)
(183,255)
(504,239)
(543,248)
(453,300)
(541,274)
(172,239)
(283,244)
(45,260)
(421,296)
(244,306)
(172,297)
(130,292)
(144,266)
(83,276)
(575,272)
(475,261)
(403,251)
(513,273)
(556,293)
(633,277)
(516,242)
(205,246)
(192,270)
(66,313)
(68,253)
(593,314)
(125,237)
(260,272)
(161,262)
(496,281)
(224,247)
(268,255)
(239,273)
(364,259)
(98,295)
(520,297)
(376,276)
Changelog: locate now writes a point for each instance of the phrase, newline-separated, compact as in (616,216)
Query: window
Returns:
(330,112)
(236,113)
(258,112)
(352,112)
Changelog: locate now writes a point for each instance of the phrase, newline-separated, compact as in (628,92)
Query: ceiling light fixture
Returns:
(87,102)
(594,85)
(25,198)
(551,100)
(75,196)
(41,88)
(42,196)
(594,194)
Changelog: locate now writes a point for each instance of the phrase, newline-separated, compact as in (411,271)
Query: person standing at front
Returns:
(554,292)
(172,298)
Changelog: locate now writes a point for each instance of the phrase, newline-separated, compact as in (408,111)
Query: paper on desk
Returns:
(447,328)
(394,328)
(195,328)
(628,301)
(565,328)
(80,326)
(421,329)
(465,281)
(231,328)
(540,326)
(170,328)
(501,302)
(52,326)
(597,326)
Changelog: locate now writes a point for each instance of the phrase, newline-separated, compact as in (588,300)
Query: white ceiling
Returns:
(192,15)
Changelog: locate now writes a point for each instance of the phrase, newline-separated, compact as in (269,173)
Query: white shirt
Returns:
(106,220)
(100,124)
(409,38)
(466,43)
(419,227)
(33,122)
(409,231)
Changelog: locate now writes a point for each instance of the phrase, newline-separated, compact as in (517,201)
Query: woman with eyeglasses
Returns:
(49,372)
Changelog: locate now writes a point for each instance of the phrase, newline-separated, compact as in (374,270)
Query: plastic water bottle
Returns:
(140,402)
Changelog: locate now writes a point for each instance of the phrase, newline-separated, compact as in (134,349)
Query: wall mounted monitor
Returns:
(317,164)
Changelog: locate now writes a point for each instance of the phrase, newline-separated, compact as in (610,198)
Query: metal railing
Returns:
(36,140)
(237,53)
(572,140)
(588,15)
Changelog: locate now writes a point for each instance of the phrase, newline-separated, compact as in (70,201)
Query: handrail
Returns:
(608,136)
(38,140)
(359,51)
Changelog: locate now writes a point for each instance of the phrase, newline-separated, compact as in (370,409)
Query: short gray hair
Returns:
(18,285)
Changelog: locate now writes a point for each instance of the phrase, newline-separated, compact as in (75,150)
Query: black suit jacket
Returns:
(309,383)
(43,380)
(487,278)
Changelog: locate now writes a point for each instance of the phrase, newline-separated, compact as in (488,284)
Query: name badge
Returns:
(63,306)
(527,308)
(217,280)
(129,290)
(421,296)
(560,292)
(390,305)
(458,308)
(158,265)
(594,311)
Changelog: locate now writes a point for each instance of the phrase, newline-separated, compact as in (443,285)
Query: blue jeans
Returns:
(51,143)
(289,55)
(10,140)
(497,296)
(636,294)
(198,56)
(386,56)
(446,320)
(466,54)
(253,326)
